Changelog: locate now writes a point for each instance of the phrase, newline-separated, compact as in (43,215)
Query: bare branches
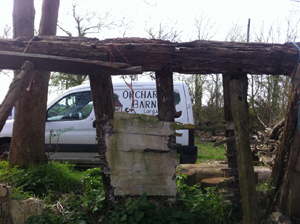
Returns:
(88,23)
(206,28)
(236,34)
(6,32)
(164,31)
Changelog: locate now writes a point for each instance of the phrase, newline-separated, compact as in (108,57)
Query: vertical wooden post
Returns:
(165,95)
(231,146)
(244,155)
(102,93)
(165,100)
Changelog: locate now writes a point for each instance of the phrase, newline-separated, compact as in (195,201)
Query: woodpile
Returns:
(265,143)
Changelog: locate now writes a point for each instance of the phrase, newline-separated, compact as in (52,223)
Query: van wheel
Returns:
(4,150)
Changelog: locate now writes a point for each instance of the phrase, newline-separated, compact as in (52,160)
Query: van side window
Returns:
(76,106)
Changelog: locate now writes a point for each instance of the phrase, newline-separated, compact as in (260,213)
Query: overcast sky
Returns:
(139,14)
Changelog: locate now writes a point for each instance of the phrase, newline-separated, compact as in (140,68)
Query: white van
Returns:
(70,128)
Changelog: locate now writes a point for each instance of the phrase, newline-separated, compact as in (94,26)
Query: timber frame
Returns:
(136,55)
(103,58)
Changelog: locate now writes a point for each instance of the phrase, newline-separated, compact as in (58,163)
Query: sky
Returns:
(138,15)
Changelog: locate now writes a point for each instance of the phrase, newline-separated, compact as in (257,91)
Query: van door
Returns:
(128,100)
(69,128)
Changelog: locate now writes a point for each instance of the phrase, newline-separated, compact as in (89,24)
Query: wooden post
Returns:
(165,95)
(165,100)
(231,146)
(244,155)
(102,93)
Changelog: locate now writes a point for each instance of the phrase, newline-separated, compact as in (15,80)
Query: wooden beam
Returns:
(196,57)
(14,60)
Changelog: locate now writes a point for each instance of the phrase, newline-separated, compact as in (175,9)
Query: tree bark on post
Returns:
(244,155)
(28,139)
(102,93)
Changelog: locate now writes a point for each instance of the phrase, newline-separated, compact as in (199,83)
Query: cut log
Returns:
(206,171)
(204,57)
(190,176)
(212,182)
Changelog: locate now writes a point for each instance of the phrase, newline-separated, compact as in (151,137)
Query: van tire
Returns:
(189,154)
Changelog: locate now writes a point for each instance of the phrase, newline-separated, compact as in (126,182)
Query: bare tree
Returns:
(236,34)
(206,29)
(87,23)
(164,31)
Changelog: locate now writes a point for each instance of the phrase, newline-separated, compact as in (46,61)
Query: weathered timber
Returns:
(14,92)
(244,156)
(285,171)
(165,100)
(102,93)
(11,60)
(165,95)
(196,57)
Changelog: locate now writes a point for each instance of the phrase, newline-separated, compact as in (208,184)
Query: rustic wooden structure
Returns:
(100,59)
(196,57)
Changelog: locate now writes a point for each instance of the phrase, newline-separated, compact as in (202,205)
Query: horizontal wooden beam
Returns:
(14,60)
(196,57)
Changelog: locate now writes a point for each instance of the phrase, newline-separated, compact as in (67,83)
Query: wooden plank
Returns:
(227,140)
(14,60)
(196,57)
(213,127)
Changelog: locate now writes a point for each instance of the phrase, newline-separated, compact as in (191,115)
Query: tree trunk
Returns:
(28,139)
(14,92)
(23,19)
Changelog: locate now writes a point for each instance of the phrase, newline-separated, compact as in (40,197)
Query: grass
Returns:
(207,152)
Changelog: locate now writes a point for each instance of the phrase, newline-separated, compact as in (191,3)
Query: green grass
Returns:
(207,152)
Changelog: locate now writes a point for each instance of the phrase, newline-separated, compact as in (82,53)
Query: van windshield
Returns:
(76,106)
